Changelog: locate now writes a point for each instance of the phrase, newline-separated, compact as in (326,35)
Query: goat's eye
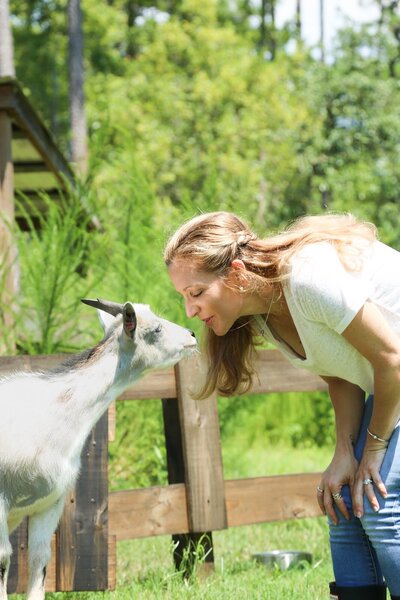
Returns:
(158,329)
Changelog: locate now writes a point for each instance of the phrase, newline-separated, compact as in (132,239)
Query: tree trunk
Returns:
(268,34)
(6,42)
(298,19)
(322,28)
(79,150)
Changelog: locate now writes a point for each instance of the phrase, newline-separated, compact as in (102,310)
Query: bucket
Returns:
(283,559)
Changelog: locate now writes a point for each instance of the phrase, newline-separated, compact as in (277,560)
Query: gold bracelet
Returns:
(376,437)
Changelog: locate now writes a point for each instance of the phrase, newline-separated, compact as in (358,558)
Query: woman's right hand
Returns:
(340,472)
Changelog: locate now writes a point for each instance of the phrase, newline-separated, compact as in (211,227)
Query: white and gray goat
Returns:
(46,418)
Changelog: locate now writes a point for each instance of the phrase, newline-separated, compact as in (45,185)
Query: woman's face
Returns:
(206,296)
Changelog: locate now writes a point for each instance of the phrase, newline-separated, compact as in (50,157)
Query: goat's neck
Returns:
(93,387)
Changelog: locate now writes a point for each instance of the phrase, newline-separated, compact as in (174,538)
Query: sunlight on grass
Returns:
(259,460)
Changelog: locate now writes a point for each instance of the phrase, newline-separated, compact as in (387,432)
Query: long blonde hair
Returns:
(213,240)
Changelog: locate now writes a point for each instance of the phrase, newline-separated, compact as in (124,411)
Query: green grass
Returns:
(145,569)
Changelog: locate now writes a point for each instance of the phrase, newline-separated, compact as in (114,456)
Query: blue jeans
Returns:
(366,551)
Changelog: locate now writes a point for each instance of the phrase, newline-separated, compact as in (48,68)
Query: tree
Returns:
(389,22)
(79,149)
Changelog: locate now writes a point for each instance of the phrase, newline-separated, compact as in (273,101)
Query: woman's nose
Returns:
(191,310)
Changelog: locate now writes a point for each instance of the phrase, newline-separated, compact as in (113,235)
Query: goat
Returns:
(47,416)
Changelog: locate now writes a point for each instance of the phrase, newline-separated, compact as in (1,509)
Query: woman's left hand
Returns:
(368,478)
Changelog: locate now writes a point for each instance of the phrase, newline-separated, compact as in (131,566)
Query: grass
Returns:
(145,569)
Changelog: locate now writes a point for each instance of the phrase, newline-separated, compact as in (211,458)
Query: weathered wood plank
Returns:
(8,253)
(82,539)
(112,562)
(163,510)
(183,543)
(277,498)
(18,575)
(148,512)
(159,383)
(275,374)
(14,101)
(156,384)
(204,476)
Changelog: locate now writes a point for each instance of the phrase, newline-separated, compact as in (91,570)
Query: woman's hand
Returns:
(341,471)
(368,476)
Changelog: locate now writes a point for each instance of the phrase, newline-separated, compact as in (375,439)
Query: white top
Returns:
(323,298)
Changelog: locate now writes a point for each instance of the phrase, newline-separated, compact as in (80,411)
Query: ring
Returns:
(368,481)
(319,490)
(337,496)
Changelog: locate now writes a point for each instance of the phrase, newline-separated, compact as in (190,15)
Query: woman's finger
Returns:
(320,497)
(340,503)
(329,507)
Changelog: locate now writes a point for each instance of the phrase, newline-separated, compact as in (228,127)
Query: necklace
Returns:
(263,325)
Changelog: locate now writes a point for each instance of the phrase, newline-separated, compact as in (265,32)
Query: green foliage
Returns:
(53,257)
(298,419)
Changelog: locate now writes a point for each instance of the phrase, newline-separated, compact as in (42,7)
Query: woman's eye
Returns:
(197,294)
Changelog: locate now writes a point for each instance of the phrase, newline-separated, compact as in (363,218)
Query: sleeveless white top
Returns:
(323,298)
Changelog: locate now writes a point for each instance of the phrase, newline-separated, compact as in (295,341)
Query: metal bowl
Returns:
(283,559)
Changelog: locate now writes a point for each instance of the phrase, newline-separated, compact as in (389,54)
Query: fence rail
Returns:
(197,500)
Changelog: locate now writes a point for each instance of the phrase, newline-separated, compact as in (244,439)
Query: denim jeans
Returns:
(366,551)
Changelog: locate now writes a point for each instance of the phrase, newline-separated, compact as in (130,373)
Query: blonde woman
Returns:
(326,292)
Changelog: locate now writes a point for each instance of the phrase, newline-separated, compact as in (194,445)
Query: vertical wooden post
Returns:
(8,267)
(18,575)
(202,459)
(204,476)
(82,538)
(184,544)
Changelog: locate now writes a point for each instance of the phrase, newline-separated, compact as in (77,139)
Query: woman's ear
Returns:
(237,273)
(238,264)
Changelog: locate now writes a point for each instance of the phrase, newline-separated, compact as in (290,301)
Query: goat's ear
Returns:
(129,319)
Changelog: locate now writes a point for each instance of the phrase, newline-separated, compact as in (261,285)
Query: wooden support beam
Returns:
(148,512)
(204,477)
(82,536)
(163,510)
(29,166)
(276,498)
(8,268)
(15,103)
(185,544)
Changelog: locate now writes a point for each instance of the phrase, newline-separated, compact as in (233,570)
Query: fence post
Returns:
(202,458)
(82,536)
(185,543)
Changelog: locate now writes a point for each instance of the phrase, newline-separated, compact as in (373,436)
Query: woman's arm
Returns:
(370,334)
(348,402)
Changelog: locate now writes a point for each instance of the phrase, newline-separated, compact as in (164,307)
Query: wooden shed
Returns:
(30,163)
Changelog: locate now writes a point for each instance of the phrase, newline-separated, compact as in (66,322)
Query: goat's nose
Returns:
(192,333)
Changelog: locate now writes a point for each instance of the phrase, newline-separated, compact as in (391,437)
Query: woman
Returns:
(327,294)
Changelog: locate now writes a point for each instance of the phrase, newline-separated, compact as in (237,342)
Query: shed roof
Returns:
(39,165)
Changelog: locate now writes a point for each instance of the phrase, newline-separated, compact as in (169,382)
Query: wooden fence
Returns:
(197,500)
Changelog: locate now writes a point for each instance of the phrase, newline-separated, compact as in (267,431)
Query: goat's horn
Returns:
(113,308)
